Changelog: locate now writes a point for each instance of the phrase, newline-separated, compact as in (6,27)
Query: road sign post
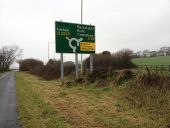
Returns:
(77,67)
(91,63)
(74,38)
(62,69)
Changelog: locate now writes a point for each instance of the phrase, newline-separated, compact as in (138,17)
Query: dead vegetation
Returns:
(123,75)
(156,79)
(49,71)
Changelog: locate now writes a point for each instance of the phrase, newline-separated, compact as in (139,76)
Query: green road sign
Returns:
(74,38)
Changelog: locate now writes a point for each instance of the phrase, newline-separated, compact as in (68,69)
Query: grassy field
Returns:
(46,104)
(161,60)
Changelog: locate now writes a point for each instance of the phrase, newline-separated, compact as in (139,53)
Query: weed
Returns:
(69,83)
(80,80)
(123,75)
(101,83)
(62,94)
(151,79)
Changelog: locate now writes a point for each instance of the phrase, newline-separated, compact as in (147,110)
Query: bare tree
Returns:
(8,55)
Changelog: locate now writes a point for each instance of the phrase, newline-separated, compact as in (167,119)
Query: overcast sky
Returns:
(134,24)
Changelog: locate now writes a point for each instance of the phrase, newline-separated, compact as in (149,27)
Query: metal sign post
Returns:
(62,69)
(91,63)
(77,67)
(81,64)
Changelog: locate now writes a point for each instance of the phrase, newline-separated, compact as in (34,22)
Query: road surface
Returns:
(8,108)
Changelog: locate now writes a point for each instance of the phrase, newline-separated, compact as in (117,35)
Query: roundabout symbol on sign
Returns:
(77,41)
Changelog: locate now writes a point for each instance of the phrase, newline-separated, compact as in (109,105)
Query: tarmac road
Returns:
(8,107)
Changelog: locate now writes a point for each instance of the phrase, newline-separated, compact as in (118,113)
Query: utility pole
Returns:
(81,23)
(76,54)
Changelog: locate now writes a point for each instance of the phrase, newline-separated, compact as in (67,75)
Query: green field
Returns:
(160,60)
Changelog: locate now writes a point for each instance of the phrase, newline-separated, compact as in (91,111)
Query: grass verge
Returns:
(34,112)
(41,104)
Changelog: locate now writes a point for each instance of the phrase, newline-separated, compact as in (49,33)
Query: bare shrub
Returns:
(52,70)
(100,73)
(106,53)
(102,60)
(69,83)
(102,83)
(80,80)
(118,60)
(39,70)
(69,67)
(123,59)
(151,79)
(104,63)
(29,64)
(123,75)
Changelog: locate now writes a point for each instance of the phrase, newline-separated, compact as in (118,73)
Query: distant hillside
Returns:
(160,60)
